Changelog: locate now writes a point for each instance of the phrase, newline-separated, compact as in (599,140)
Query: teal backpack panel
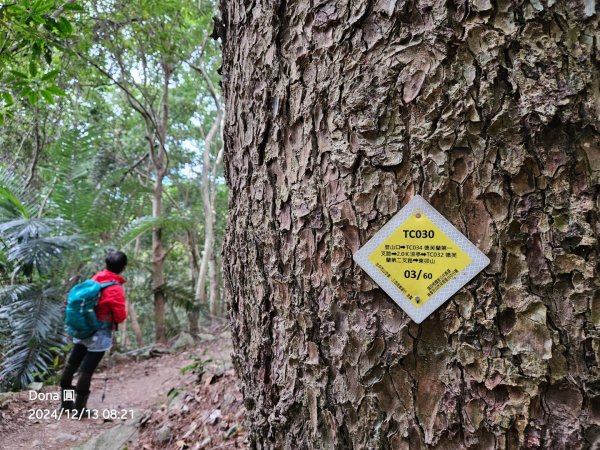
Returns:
(81,321)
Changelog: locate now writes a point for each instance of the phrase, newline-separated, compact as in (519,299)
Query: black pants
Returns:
(83,360)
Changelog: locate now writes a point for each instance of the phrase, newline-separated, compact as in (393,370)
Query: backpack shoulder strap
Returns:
(110,283)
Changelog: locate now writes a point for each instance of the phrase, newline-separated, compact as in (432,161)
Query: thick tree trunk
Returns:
(337,114)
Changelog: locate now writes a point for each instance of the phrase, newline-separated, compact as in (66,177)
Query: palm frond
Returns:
(137,228)
(181,295)
(81,197)
(83,204)
(144,224)
(35,320)
(40,254)
(15,199)
(30,314)
(23,229)
(14,292)
(34,243)
(178,222)
(11,204)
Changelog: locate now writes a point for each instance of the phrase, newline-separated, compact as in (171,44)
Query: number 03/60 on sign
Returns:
(417,275)
(420,259)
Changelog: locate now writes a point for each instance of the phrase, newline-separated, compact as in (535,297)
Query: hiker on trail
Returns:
(110,310)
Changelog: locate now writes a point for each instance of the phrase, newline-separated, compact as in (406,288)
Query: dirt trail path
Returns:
(131,385)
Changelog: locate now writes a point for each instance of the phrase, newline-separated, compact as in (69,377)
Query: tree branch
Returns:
(211,86)
(54,16)
(43,205)
(133,166)
(134,102)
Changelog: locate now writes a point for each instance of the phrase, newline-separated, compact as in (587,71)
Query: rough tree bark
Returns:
(337,114)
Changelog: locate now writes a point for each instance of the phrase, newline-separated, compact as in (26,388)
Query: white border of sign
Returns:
(418,203)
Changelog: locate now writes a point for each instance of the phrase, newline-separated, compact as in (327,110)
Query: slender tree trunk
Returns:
(341,113)
(222,303)
(193,320)
(209,215)
(158,251)
(160,168)
(39,143)
(214,270)
(131,312)
(200,295)
(135,325)
(214,284)
(158,271)
(194,313)
(124,335)
(209,195)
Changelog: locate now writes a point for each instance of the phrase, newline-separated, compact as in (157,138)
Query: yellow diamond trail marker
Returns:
(419,259)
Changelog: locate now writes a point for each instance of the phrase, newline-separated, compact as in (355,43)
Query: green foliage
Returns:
(15,200)
(197,367)
(82,196)
(180,293)
(33,314)
(138,227)
(30,302)
(53,373)
(146,224)
(173,392)
(32,37)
